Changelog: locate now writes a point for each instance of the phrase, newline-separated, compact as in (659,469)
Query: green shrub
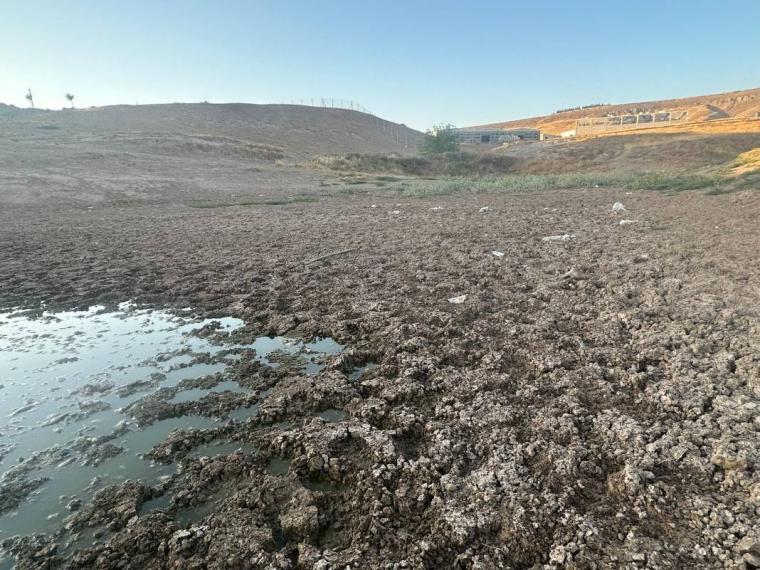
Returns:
(439,139)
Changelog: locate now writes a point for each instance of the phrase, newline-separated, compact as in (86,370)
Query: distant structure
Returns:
(631,122)
(491,136)
(580,108)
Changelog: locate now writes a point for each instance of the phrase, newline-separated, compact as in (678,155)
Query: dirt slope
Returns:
(736,104)
(151,152)
(299,131)
(661,151)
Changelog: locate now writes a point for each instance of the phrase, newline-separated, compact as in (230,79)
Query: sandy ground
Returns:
(591,403)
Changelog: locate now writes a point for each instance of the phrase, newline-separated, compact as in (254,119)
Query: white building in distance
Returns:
(490,136)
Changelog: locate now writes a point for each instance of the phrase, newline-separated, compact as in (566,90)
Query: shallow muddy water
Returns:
(332,415)
(198,393)
(66,379)
(57,367)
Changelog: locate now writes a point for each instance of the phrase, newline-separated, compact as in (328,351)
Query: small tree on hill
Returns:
(70,97)
(30,98)
(439,139)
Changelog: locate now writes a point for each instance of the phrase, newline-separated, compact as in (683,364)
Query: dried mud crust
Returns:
(601,417)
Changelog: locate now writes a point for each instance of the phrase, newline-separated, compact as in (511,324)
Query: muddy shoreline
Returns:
(591,403)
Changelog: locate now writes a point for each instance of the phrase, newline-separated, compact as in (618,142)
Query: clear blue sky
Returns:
(414,61)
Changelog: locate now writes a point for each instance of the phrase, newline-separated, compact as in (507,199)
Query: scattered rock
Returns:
(74,504)
(574,275)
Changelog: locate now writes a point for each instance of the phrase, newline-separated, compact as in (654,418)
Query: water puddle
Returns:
(243,413)
(198,393)
(61,372)
(141,441)
(278,466)
(45,510)
(216,448)
(359,371)
(86,537)
(310,356)
(161,503)
(185,516)
(67,377)
(322,484)
(332,415)
(192,515)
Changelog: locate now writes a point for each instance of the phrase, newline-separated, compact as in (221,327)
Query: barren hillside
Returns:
(152,152)
(661,151)
(736,104)
(299,131)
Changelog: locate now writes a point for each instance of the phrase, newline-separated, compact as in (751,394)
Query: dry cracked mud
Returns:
(593,403)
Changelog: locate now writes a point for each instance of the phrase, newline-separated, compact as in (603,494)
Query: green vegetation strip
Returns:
(460,172)
(390,168)
(662,182)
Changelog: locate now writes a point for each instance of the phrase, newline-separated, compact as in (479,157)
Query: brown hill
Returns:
(641,152)
(705,108)
(298,131)
(180,152)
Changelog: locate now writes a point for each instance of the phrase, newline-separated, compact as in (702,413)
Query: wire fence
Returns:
(400,133)
(330,103)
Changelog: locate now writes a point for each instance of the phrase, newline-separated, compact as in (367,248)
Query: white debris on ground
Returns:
(395,212)
(458,300)
(626,222)
(373,206)
(436,208)
(562,237)
(498,253)
(484,209)
(618,207)
(573,275)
